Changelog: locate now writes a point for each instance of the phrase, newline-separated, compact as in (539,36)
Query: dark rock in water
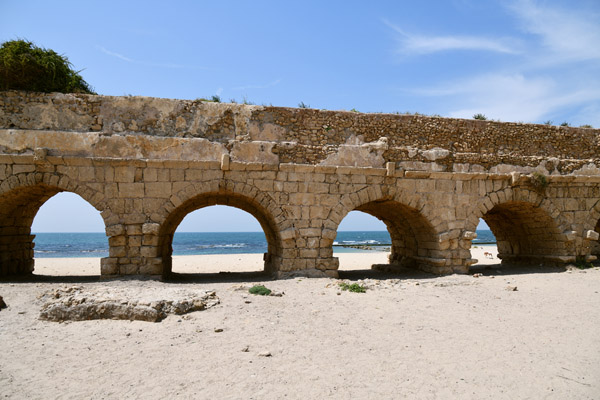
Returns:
(2,303)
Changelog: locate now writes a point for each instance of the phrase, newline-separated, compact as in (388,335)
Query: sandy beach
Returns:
(230,263)
(496,333)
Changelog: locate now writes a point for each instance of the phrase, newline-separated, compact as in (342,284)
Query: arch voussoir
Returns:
(235,194)
(20,199)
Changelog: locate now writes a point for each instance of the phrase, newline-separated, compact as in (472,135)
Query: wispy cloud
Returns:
(555,76)
(117,55)
(570,34)
(420,44)
(511,97)
(266,86)
(148,64)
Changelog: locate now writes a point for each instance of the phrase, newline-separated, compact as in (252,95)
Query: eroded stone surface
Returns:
(83,304)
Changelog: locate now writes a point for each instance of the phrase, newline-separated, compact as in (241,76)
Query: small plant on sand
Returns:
(480,116)
(355,287)
(259,290)
(539,181)
(565,124)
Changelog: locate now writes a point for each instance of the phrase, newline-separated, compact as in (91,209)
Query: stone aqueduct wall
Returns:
(145,163)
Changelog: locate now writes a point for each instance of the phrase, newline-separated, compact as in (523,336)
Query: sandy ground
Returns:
(410,335)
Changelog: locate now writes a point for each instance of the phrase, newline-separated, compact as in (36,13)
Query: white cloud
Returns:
(148,64)
(268,85)
(556,77)
(511,97)
(417,44)
(112,53)
(570,34)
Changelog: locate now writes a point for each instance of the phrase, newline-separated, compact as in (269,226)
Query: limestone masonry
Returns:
(145,163)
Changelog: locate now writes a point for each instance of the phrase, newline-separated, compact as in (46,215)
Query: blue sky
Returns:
(512,60)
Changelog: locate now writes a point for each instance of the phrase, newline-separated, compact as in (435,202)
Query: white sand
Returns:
(415,336)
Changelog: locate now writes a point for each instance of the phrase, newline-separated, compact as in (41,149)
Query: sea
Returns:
(54,245)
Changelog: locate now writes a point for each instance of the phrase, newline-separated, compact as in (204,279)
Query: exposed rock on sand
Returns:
(79,304)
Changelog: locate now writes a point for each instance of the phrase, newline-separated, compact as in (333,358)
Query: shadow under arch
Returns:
(414,239)
(226,198)
(19,205)
(526,231)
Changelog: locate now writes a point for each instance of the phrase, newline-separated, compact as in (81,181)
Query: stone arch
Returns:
(415,239)
(528,227)
(21,196)
(221,192)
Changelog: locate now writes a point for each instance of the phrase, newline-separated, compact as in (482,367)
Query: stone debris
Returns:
(511,288)
(79,304)
(2,303)
(265,354)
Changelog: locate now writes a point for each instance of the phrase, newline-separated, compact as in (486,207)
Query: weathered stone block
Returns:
(158,189)
(133,190)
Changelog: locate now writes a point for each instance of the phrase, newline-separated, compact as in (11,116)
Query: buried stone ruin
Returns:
(145,163)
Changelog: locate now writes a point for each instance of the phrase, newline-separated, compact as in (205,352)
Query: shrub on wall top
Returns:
(24,66)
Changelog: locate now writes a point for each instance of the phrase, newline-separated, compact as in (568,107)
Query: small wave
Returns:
(353,242)
(46,251)
(219,246)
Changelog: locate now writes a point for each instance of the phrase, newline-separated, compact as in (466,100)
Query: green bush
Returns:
(582,264)
(24,66)
(539,181)
(355,287)
(260,290)
(480,117)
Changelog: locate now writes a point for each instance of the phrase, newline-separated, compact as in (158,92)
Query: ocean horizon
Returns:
(95,244)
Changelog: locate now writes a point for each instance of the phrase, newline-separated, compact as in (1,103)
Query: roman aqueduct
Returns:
(145,163)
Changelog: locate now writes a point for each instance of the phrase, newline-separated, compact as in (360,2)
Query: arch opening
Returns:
(362,240)
(33,209)
(484,248)
(413,239)
(171,242)
(526,234)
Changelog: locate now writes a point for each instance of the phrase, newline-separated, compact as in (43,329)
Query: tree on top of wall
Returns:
(24,66)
